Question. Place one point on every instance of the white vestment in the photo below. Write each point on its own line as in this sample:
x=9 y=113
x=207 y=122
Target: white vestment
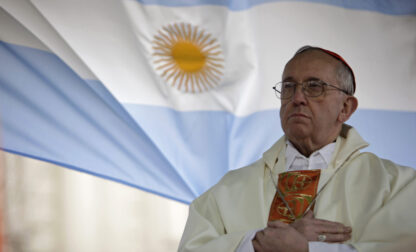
x=372 y=195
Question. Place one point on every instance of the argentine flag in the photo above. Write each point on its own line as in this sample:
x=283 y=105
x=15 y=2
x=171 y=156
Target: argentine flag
x=167 y=96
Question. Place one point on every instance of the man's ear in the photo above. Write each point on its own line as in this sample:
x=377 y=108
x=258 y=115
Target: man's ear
x=349 y=106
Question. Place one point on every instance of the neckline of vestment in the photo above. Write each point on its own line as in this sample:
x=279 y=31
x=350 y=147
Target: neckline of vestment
x=317 y=160
x=347 y=144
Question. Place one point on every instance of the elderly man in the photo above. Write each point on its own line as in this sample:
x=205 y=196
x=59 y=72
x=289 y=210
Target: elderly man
x=312 y=190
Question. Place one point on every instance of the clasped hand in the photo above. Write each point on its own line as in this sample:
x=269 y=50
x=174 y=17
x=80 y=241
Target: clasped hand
x=279 y=236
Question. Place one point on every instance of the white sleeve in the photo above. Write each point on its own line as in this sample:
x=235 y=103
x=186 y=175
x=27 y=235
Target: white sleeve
x=246 y=245
x=330 y=247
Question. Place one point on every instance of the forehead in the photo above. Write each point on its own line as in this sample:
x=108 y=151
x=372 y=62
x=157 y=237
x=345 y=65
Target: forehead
x=311 y=64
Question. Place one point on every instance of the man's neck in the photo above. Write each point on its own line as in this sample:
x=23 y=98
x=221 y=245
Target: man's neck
x=306 y=148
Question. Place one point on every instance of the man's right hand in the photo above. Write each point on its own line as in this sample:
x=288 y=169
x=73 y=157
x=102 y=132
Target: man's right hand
x=279 y=237
x=311 y=228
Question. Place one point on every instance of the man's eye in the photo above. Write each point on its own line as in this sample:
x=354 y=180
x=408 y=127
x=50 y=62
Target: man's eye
x=288 y=85
x=314 y=87
x=314 y=84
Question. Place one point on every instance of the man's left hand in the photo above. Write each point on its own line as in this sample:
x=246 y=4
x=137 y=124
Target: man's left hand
x=311 y=228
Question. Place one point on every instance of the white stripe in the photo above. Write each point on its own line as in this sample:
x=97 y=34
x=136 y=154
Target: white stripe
x=23 y=24
x=256 y=43
x=13 y=32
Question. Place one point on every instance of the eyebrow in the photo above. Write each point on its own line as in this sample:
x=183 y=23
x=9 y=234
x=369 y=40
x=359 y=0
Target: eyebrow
x=291 y=79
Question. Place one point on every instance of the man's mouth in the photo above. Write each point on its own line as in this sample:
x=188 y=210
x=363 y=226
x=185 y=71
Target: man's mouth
x=298 y=115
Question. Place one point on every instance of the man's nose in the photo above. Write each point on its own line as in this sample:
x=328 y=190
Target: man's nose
x=299 y=96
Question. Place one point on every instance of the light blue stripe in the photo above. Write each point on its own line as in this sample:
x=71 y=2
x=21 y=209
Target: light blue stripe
x=391 y=134
x=220 y=139
x=51 y=114
x=391 y=7
x=107 y=97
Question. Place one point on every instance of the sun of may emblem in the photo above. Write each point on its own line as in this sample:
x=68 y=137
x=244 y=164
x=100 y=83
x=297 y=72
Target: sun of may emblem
x=187 y=57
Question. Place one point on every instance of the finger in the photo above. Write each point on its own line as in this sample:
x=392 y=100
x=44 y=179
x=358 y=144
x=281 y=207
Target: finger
x=327 y=222
x=336 y=238
x=337 y=229
x=333 y=229
x=323 y=226
x=277 y=224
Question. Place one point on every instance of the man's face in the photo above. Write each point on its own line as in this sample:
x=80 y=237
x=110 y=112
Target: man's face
x=311 y=119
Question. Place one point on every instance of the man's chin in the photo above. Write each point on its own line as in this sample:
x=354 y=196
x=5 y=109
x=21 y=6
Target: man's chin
x=298 y=132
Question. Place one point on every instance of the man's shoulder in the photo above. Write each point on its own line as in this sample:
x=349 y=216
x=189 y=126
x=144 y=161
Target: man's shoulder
x=243 y=174
x=377 y=165
x=257 y=168
x=373 y=158
x=238 y=179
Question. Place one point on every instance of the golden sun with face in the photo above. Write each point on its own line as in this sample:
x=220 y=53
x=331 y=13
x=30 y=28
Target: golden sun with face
x=187 y=57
